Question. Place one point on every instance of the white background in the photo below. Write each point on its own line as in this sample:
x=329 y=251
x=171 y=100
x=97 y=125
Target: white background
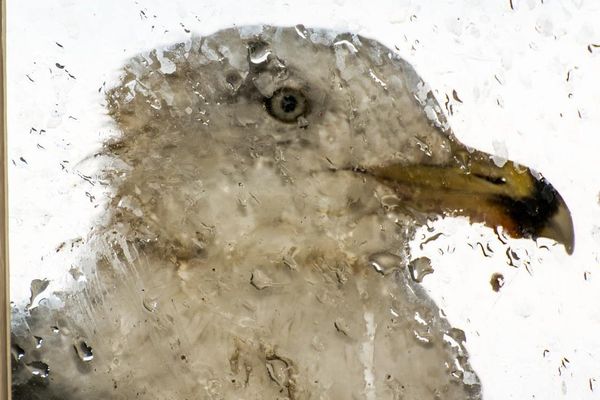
x=509 y=67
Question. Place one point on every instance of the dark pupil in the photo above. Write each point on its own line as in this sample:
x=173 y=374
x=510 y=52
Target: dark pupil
x=288 y=103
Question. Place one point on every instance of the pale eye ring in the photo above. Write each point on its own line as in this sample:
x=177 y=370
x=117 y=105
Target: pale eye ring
x=287 y=104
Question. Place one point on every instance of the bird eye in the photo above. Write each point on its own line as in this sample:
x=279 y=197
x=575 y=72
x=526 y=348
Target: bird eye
x=287 y=104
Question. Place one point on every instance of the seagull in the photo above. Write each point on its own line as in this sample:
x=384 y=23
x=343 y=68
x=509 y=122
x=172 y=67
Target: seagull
x=265 y=185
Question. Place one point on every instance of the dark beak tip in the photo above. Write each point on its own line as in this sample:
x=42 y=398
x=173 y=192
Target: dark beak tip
x=559 y=227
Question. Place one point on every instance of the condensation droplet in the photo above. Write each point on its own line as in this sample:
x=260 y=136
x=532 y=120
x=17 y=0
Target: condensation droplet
x=469 y=378
x=17 y=352
x=150 y=304
x=430 y=239
x=497 y=281
x=341 y=326
x=38 y=341
x=278 y=371
x=39 y=368
x=76 y=273
x=423 y=337
x=458 y=335
x=423 y=147
x=422 y=330
x=390 y=202
x=260 y=280
x=302 y=122
x=419 y=268
x=513 y=257
x=487 y=250
x=385 y=263
x=258 y=52
x=501 y=235
x=37 y=287
x=84 y=351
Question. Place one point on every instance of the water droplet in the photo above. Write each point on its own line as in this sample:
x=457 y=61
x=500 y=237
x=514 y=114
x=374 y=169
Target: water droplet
x=513 y=258
x=131 y=204
x=419 y=268
x=37 y=287
x=486 y=251
x=260 y=280
x=501 y=235
x=423 y=336
x=497 y=281
x=317 y=344
x=301 y=31
x=390 y=202
x=385 y=263
x=302 y=122
x=150 y=304
x=421 y=319
x=75 y=273
x=288 y=259
x=470 y=378
x=17 y=351
x=422 y=331
x=430 y=239
x=155 y=103
x=430 y=224
x=424 y=147
x=456 y=375
x=38 y=341
x=84 y=351
x=259 y=52
x=278 y=371
x=55 y=329
x=39 y=368
x=458 y=335
x=341 y=326
x=500 y=156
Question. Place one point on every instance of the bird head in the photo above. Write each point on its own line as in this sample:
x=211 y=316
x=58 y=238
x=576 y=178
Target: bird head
x=241 y=126
x=284 y=158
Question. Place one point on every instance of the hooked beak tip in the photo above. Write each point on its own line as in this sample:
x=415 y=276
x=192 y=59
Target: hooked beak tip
x=560 y=228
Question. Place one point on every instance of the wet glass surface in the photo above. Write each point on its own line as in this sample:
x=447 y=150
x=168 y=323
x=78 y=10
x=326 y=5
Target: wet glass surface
x=258 y=212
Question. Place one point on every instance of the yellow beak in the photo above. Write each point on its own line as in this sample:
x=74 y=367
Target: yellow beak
x=472 y=185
